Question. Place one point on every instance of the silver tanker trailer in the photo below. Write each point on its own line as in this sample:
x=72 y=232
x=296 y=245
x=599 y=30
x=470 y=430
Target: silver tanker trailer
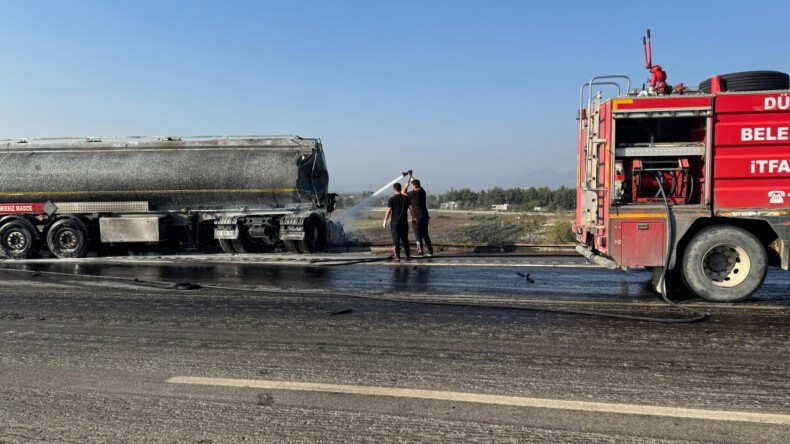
x=251 y=193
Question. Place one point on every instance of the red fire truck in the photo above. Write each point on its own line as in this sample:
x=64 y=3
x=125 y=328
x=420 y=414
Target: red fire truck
x=691 y=184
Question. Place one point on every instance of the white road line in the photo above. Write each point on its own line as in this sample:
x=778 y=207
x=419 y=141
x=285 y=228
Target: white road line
x=473 y=298
x=601 y=407
x=471 y=264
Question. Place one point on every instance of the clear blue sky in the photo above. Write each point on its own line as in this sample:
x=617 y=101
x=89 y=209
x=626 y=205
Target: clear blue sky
x=467 y=93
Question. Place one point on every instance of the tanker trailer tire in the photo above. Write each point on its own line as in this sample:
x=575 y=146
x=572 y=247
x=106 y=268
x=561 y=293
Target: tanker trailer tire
x=246 y=245
x=750 y=81
x=17 y=240
x=724 y=264
x=68 y=238
x=227 y=246
x=293 y=246
x=314 y=235
x=239 y=245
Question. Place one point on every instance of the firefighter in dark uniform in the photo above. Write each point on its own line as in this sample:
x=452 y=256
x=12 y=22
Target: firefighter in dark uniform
x=398 y=207
x=419 y=211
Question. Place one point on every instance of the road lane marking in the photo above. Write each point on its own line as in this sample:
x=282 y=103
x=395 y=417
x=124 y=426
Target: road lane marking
x=477 y=264
x=480 y=298
x=584 y=406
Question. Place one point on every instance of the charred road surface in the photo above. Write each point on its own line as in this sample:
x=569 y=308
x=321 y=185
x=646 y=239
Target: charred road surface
x=339 y=348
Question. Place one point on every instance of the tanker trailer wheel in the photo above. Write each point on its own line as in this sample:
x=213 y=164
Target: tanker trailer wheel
x=246 y=245
x=17 y=240
x=227 y=246
x=724 y=264
x=314 y=235
x=68 y=238
x=292 y=246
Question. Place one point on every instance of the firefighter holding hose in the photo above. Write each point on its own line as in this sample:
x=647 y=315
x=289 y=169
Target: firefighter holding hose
x=398 y=208
x=419 y=211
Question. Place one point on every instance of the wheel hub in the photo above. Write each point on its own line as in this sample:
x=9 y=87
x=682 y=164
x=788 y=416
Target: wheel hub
x=16 y=241
x=726 y=265
x=718 y=262
x=68 y=239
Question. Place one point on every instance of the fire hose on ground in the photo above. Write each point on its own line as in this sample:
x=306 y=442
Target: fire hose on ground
x=189 y=286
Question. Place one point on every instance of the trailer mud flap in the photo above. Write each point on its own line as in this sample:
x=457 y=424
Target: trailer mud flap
x=292 y=226
x=226 y=228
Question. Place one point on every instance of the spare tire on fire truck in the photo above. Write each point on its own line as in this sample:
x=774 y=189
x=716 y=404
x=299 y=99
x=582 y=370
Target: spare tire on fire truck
x=750 y=81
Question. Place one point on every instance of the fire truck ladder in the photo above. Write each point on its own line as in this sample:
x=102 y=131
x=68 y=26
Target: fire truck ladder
x=592 y=185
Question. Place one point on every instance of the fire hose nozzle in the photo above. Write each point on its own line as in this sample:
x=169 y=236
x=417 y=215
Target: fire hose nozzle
x=407 y=173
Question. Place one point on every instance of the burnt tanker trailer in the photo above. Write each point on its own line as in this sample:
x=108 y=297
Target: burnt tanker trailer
x=250 y=193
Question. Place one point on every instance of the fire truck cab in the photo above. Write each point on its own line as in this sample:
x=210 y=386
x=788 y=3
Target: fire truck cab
x=693 y=185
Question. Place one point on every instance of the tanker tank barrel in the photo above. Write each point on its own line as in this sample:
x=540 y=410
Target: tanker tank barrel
x=172 y=174
x=253 y=193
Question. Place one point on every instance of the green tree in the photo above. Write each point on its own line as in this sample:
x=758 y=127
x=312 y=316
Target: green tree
x=560 y=233
x=563 y=198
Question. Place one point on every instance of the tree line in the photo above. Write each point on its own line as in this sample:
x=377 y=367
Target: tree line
x=518 y=199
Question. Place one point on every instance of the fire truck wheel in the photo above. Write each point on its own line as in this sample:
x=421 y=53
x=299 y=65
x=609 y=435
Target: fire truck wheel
x=17 y=240
x=724 y=264
x=750 y=81
x=314 y=235
x=227 y=246
x=68 y=238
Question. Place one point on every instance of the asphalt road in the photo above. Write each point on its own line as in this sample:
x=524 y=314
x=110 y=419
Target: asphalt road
x=337 y=349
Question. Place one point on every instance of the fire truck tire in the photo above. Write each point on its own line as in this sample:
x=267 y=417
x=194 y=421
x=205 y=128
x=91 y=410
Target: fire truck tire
x=68 y=238
x=314 y=235
x=724 y=264
x=17 y=240
x=227 y=246
x=750 y=81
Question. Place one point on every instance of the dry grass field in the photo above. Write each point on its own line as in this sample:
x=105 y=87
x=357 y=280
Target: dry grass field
x=468 y=227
